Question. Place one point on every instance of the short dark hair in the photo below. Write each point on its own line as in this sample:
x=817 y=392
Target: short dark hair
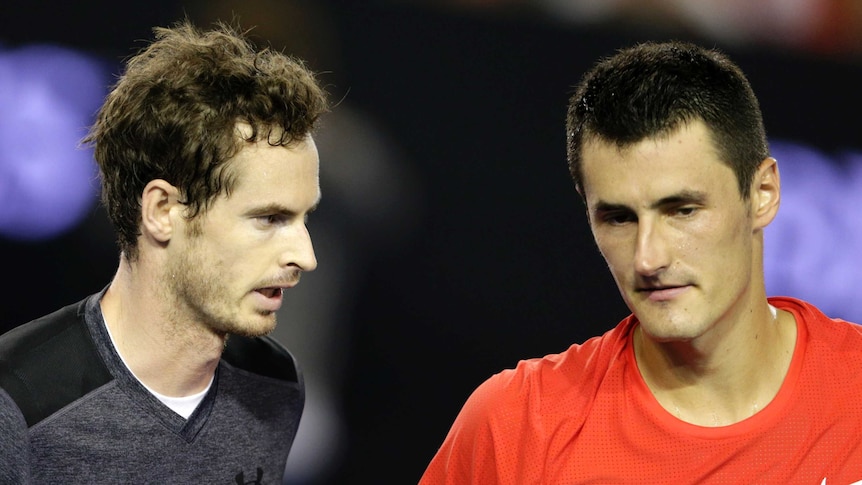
x=652 y=89
x=173 y=115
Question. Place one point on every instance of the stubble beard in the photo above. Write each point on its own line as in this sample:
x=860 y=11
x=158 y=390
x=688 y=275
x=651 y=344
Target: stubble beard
x=200 y=299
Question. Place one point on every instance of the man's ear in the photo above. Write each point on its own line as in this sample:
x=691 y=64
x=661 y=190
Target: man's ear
x=765 y=192
x=158 y=200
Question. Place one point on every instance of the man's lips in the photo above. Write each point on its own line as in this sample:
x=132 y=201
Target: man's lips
x=273 y=292
x=663 y=292
x=275 y=287
x=271 y=297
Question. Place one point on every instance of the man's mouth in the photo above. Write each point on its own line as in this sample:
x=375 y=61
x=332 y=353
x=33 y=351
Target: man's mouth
x=278 y=285
x=648 y=289
x=662 y=293
x=270 y=292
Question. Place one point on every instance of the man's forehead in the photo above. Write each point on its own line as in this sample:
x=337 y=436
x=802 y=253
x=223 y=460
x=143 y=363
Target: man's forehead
x=274 y=133
x=668 y=162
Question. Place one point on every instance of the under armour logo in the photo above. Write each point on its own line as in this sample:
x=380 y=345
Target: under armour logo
x=240 y=479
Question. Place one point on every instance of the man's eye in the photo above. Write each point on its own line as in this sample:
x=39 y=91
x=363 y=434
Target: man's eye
x=685 y=211
x=270 y=219
x=617 y=218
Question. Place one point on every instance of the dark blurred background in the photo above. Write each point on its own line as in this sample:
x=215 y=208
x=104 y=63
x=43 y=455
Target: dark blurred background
x=450 y=239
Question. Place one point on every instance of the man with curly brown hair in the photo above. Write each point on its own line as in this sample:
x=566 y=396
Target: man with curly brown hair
x=209 y=171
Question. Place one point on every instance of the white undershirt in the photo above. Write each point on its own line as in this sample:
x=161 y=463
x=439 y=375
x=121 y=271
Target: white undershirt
x=184 y=406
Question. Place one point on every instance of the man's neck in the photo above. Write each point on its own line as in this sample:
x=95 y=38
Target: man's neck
x=174 y=358
x=724 y=381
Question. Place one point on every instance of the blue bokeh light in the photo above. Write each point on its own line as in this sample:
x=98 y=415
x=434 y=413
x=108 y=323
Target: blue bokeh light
x=48 y=97
x=813 y=249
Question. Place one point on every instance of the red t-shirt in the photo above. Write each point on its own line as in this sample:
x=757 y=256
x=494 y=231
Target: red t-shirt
x=587 y=416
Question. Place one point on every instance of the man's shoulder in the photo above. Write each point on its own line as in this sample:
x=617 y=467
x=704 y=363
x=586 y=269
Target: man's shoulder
x=21 y=340
x=565 y=380
x=519 y=414
x=262 y=356
x=578 y=362
x=49 y=362
x=818 y=324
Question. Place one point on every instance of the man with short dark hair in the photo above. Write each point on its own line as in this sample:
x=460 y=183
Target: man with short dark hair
x=209 y=171
x=708 y=381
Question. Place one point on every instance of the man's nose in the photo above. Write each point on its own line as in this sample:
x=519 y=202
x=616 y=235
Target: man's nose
x=651 y=250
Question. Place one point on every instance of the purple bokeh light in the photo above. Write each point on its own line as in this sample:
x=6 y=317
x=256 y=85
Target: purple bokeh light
x=813 y=249
x=48 y=97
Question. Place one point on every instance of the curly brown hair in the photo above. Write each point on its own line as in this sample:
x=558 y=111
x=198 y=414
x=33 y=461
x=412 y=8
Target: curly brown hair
x=173 y=114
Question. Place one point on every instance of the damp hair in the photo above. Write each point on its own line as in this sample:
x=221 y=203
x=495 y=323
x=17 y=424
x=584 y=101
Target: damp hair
x=173 y=115
x=652 y=89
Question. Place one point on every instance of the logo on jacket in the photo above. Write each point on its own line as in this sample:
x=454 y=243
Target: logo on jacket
x=240 y=479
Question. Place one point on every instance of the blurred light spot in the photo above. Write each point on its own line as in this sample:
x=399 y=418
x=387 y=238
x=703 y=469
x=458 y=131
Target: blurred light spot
x=813 y=249
x=48 y=97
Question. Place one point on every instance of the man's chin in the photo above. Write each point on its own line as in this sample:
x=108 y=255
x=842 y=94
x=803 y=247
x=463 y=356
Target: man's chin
x=253 y=332
x=260 y=326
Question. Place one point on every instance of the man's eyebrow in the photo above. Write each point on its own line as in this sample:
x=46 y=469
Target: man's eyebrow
x=602 y=206
x=270 y=209
x=682 y=197
x=279 y=209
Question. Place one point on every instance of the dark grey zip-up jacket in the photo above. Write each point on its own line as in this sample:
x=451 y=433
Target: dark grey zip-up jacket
x=71 y=412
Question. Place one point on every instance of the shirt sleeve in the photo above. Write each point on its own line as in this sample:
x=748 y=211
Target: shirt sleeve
x=15 y=443
x=483 y=446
